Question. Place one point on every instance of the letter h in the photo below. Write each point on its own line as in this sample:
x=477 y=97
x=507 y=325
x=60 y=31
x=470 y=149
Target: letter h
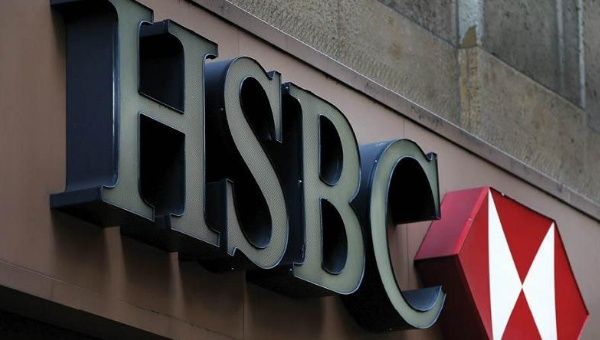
x=135 y=124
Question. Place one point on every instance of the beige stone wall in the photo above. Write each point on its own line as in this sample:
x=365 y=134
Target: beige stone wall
x=521 y=75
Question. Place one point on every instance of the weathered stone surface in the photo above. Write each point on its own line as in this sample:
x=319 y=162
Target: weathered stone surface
x=438 y=16
x=313 y=22
x=387 y=47
x=592 y=63
x=538 y=38
x=572 y=79
x=524 y=35
x=374 y=40
x=591 y=172
x=523 y=118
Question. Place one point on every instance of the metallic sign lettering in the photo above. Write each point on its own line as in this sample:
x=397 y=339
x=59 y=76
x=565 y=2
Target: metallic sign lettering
x=245 y=109
x=219 y=161
x=399 y=185
x=333 y=246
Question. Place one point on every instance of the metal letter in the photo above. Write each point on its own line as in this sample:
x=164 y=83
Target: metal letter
x=135 y=157
x=399 y=185
x=248 y=204
x=334 y=258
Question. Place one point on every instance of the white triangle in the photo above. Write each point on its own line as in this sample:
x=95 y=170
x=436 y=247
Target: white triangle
x=539 y=288
x=505 y=283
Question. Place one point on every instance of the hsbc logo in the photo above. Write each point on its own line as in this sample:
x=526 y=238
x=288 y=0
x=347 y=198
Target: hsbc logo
x=511 y=296
x=506 y=268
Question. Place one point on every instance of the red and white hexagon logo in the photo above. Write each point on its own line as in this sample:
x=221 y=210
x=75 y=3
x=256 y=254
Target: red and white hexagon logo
x=504 y=268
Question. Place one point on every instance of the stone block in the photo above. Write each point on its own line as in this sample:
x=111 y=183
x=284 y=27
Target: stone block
x=437 y=16
x=592 y=62
x=541 y=39
x=374 y=40
x=524 y=35
x=591 y=167
x=572 y=77
x=400 y=55
x=523 y=118
x=311 y=21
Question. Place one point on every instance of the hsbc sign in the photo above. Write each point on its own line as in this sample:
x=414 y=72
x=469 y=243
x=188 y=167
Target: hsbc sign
x=506 y=268
x=220 y=161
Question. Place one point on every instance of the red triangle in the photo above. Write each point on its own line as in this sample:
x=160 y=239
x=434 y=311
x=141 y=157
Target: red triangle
x=524 y=229
x=474 y=261
x=571 y=312
x=521 y=324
